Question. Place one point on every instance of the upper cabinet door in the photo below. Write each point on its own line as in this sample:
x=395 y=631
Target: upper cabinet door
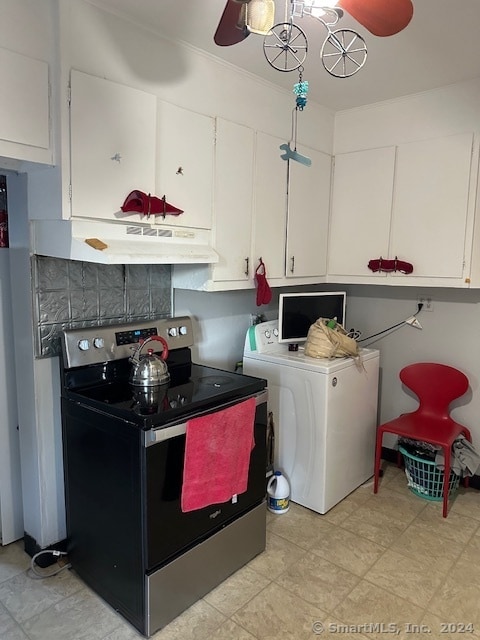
x=24 y=108
x=185 y=157
x=270 y=193
x=361 y=211
x=233 y=201
x=112 y=130
x=308 y=210
x=430 y=205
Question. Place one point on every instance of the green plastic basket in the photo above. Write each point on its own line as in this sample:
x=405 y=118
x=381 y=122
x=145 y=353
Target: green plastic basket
x=425 y=479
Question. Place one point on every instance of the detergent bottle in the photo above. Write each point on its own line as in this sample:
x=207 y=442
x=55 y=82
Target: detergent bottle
x=278 y=493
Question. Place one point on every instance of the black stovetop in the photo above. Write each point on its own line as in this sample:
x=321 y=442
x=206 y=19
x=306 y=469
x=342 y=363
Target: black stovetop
x=192 y=389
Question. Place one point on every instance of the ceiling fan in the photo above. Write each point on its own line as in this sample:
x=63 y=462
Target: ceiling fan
x=242 y=17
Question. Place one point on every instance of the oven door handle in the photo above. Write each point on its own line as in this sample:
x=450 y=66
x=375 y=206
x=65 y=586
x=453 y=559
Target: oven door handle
x=154 y=436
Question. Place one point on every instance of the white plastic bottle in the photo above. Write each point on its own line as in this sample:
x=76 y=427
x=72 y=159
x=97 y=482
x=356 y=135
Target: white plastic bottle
x=278 y=493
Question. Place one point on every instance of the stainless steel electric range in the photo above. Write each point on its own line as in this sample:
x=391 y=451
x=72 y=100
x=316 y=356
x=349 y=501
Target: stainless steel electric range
x=128 y=538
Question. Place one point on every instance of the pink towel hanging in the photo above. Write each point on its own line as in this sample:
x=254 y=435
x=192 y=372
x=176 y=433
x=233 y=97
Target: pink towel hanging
x=217 y=456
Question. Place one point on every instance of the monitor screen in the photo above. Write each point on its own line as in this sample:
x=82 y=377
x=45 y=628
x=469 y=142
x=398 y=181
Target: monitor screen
x=298 y=311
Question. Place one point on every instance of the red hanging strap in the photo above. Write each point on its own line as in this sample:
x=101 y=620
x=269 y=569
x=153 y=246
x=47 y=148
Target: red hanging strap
x=390 y=266
x=264 y=293
x=149 y=205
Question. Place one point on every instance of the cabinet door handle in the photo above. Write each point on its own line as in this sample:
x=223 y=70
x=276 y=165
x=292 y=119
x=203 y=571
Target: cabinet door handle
x=247 y=266
x=292 y=264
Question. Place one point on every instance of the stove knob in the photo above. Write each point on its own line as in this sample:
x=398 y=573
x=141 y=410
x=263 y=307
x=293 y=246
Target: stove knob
x=172 y=332
x=98 y=343
x=84 y=344
x=275 y=333
x=268 y=334
x=183 y=330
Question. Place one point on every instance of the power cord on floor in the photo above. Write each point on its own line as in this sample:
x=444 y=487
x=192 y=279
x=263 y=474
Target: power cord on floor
x=53 y=552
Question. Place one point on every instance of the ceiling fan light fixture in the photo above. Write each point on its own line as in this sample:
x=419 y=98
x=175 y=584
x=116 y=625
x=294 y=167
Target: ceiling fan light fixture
x=317 y=8
x=260 y=16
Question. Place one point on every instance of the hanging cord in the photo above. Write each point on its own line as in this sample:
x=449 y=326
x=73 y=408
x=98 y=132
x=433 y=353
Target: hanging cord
x=393 y=327
x=39 y=574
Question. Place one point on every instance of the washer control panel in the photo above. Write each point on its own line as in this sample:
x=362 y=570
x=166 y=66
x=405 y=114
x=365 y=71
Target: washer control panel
x=93 y=345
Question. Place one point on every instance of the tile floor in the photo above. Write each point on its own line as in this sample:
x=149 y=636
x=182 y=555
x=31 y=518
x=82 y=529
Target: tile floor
x=389 y=559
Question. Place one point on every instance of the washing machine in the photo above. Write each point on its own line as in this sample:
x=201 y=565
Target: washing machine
x=324 y=415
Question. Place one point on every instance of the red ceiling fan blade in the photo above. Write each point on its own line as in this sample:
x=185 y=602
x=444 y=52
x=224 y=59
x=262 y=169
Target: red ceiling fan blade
x=228 y=32
x=380 y=17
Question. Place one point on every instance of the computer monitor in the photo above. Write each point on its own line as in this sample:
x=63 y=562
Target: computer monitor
x=298 y=311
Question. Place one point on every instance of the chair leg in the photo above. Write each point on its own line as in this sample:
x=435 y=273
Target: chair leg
x=446 y=480
x=378 y=457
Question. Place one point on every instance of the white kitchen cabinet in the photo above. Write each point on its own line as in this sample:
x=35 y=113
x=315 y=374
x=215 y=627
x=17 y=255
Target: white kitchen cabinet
x=413 y=202
x=233 y=202
x=307 y=218
x=24 y=108
x=270 y=220
x=361 y=211
x=430 y=205
x=112 y=131
x=184 y=166
x=259 y=214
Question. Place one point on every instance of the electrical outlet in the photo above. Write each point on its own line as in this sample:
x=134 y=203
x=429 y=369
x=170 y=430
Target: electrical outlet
x=426 y=301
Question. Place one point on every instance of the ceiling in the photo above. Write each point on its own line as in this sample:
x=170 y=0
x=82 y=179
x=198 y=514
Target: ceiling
x=440 y=46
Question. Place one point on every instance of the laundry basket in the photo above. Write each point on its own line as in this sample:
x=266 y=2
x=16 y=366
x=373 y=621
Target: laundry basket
x=425 y=479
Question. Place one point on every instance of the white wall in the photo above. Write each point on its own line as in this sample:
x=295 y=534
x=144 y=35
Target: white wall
x=450 y=332
x=450 y=335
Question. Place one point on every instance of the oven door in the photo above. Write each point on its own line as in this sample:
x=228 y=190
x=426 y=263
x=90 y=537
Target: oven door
x=169 y=531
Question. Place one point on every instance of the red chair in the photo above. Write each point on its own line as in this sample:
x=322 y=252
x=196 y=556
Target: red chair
x=436 y=386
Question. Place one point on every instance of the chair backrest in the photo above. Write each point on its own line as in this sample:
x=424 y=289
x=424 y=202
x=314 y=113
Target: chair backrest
x=436 y=386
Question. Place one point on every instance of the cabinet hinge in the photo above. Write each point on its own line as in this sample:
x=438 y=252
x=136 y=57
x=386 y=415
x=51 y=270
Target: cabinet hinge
x=69 y=96
x=70 y=192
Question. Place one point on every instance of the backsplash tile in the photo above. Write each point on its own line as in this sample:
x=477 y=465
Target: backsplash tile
x=70 y=294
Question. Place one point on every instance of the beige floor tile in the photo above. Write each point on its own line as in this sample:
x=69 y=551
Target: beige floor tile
x=278 y=556
x=420 y=542
x=301 y=526
x=466 y=570
x=198 y=622
x=404 y=506
x=467 y=503
x=123 y=632
x=372 y=524
x=236 y=591
x=82 y=616
x=348 y=550
x=449 y=630
x=318 y=581
x=277 y=614
x=13 y=560
x=340 y=512
x=455 y=527
x=229 y=630
x=457 y=601
x=26 y=595
x=390 y=473
x=334 y=628
x=15 y=633
x=412 y=579
x=368 y=604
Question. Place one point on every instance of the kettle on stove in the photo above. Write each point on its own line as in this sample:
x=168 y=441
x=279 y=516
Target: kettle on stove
x=150 y=369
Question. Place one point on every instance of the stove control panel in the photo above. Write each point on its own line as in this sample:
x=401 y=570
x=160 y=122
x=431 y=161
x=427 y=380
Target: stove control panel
x=93 y=345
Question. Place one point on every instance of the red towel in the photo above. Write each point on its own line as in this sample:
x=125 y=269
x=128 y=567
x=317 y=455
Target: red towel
x=217 y=455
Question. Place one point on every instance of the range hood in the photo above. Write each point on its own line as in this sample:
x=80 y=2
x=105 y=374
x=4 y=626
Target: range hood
x=120 y=243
